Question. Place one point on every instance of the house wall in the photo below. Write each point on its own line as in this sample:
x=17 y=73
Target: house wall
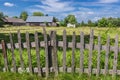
x=40 y=24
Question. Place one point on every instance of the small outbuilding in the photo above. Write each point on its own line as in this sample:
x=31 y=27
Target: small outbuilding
x=14 y=21
x=71 y=25
x=40 y=21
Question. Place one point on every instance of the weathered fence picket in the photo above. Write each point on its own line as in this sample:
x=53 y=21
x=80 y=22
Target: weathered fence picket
x=46 y=52
x=81 y=53
x=90 y=52
x=73 y=52
x=51 y=45
x=98 y=56
x=4 y=55
x=38 y=53
x=64 y=51
x=107 y=55
x=29 y=52
x=116 y=49
x=20 y=50
x=13 y=54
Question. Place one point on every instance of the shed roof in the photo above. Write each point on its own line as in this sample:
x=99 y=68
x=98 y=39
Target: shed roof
x=39 y=19
x=7 y=19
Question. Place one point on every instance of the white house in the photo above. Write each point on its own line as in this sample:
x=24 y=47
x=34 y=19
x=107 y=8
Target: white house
x=71 y=25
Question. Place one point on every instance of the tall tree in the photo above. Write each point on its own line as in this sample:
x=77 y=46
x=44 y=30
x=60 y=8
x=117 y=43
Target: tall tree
x=23 y=15
x=55 y=19
x=15 y=17
x=1 y=18
x=38 y=14
x=70 y=19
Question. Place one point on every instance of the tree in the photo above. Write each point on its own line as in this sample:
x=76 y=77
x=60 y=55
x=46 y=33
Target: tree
x=23 y=15
x=70 y=19
x=15 y=17
x=82 y=23
x=1 y=18
x=55 y=19
x=38 y=14
x=102 y=22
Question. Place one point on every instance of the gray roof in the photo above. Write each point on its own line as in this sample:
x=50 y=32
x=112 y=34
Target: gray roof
x=39 y=19
x=11 y=20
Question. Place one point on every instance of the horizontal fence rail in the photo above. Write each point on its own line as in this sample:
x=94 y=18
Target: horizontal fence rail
x=51 y=45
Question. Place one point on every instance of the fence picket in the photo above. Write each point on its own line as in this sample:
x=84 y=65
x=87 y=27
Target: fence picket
x=64 y=51
x=98 y=56
x=115 y=56
x=46 y=52
x=13 y=54
x=90 y=52
x=37 y=53
x=73 y=52
x=29 y=52
x=107 y=55
x=20 y=50
x=81 y=52
x=5 y=55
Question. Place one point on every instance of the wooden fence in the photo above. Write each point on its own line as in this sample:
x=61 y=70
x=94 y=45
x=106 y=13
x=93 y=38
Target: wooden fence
x=51 y=45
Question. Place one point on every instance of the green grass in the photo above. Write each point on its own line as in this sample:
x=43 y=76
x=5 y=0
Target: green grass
x=61 y=76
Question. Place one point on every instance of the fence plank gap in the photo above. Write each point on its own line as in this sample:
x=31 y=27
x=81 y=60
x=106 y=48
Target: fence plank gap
x=38 y=53
x=73 y=52
x=29 y=52
x=46 y=52
x=81 y=52
x=64 y=51
x=20 y=50
x=98 y=56
x=107 y=55
x=115 y=56
x=13 y=54
x=90 y=52
x=5 y=55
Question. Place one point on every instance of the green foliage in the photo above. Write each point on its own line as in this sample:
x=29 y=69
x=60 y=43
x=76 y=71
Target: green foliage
x=1 y=19
x=15 y=16
x=23 y=15
x=38 y=14
x=70 y=19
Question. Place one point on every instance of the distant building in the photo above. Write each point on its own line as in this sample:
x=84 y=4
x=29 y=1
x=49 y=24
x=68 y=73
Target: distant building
x=71 y=25
x=14 y=21
x=40 y=21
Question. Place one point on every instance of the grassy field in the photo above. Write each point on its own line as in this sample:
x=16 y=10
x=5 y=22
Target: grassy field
x=61 y=76
x=104 y=32
x=109 y=31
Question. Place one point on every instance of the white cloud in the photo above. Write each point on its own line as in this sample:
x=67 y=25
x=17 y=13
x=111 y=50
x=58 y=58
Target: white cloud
x=55 y=6
x=108 y=1
x=8 y=4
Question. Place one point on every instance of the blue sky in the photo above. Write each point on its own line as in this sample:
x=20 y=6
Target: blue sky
x=82 y=9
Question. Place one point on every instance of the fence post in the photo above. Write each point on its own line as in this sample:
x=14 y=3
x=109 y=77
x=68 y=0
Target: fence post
x=29 y=52
x=90 y=52
x=116 y=50
x=4 y=55
x=55 y=61
x=81 y=52
x=20 y=50
x=73 y=52
x=13 y=55
x=37 y=53
x=64 y=51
